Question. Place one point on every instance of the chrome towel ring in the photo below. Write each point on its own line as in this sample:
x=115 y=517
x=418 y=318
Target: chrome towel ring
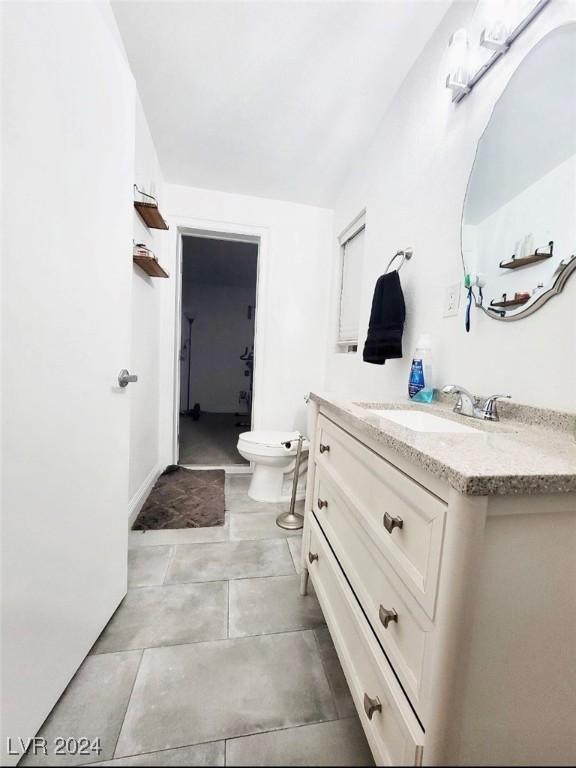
x=405 y=255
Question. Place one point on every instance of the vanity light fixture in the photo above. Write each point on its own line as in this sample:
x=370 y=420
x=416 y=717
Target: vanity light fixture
x=458 y=76
x=501 y=20
x=497 y=37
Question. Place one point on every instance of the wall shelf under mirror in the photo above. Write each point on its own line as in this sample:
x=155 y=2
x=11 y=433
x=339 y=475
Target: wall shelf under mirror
x=525 y=261
x=503 y=303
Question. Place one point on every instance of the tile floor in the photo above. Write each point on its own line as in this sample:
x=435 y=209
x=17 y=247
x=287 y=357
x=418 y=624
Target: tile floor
x=211 y=440
x=213 y=658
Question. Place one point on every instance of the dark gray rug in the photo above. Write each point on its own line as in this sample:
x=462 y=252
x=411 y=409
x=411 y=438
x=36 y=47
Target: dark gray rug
x=184 y=498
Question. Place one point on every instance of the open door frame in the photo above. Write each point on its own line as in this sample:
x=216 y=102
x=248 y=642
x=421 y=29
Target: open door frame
x=235 y=233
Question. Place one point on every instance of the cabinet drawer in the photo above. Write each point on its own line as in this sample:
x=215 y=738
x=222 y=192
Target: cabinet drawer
x=405 y=631
x=403 y=519
x=393 y=732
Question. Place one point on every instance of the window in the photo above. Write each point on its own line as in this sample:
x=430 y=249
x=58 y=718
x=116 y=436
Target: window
x=351 y=262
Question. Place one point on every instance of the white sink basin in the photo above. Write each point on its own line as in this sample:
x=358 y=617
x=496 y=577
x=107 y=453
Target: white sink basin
x=419 y=421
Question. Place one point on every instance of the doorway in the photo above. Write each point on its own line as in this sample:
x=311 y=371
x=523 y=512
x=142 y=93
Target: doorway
x=216 y=353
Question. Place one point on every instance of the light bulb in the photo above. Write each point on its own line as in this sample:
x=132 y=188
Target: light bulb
x=458 y=74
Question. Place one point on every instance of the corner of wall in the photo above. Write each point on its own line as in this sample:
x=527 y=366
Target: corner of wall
x=146 y=304
x=136 y=503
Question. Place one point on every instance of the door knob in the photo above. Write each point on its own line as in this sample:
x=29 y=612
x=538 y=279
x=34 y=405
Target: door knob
x=392 y=522
x=322 y=503
x=387 y=615
x=371 y=705
x=324 y=448
x=312 y=556
x=125 y=377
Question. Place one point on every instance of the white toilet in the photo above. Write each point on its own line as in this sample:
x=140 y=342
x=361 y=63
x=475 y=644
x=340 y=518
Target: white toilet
x=272 y=456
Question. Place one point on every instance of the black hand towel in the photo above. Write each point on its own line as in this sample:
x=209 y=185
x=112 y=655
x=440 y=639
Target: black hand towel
x=384 y=340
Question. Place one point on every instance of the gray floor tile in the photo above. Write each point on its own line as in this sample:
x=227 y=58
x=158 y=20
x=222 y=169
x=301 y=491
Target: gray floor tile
x=169 y=615
x=336 y=678
x=262 y=606
x=230 y=560
x=208 y=691
x=237 y=484
x=243 y=503
x=92 y=706
x=199 y=755
x=298 y=506
x=341 y=742
x=257 y=525
x=139 y=539
x=295 y=546
x=146 y=569
x=211 y=440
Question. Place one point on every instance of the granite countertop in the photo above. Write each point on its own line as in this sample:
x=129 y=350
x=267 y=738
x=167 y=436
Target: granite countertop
x=529 y=451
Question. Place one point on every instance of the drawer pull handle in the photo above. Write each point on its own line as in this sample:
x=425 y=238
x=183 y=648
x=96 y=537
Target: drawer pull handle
x=392 y=522
x=311 y=557
x=387 y=615
x=324 y=448
x=371 y=705
x=322 y=503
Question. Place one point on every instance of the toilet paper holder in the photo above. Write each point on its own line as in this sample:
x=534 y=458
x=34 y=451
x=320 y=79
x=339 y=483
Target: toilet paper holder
x=291 y=520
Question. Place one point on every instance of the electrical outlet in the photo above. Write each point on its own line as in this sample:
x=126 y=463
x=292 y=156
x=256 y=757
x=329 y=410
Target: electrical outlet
x=451 y=300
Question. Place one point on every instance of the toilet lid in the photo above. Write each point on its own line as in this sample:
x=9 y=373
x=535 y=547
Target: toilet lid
x=270 y=438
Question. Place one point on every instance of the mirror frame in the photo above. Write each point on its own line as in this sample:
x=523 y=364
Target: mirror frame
x=566 y=266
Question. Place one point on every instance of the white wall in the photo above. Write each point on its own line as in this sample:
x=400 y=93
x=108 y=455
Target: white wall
x=412 y=181
x=292 y=298
x=145 y=336
x=220 y=332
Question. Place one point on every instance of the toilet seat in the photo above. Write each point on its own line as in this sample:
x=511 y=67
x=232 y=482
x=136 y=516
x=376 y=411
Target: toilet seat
x=270 y=443
x=269 y=438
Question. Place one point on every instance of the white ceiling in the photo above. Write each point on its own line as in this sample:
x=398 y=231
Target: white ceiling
x=273 y=99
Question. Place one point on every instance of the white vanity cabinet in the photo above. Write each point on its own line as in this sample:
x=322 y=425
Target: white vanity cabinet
x=454 y=616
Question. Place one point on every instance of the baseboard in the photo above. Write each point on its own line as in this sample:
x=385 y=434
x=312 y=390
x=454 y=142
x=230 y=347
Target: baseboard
x=229 y=469
x=137 y=501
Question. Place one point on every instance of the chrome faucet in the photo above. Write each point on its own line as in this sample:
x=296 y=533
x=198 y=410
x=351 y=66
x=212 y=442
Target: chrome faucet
x=489 y=408
x=470 y=405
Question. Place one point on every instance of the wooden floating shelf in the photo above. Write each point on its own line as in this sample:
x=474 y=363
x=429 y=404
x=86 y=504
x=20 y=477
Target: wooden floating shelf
x=150 y=215
x=510 y=302
x=150 y=266
x=525 y=261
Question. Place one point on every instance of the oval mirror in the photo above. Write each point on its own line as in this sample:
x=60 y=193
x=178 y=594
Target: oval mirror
x=519 y=218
